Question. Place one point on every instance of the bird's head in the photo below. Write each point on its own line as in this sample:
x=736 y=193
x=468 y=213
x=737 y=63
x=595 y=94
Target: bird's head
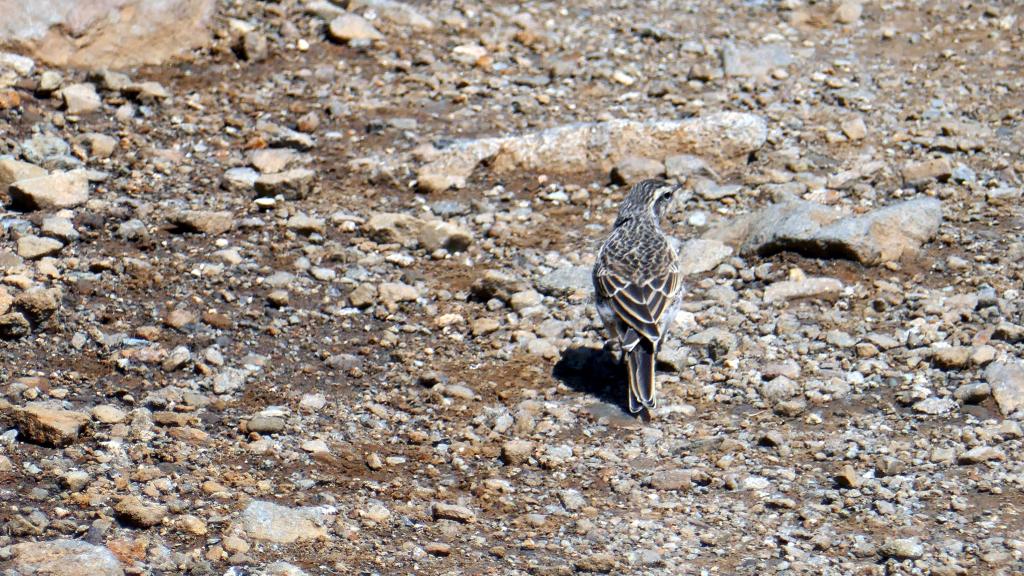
x=647 y=198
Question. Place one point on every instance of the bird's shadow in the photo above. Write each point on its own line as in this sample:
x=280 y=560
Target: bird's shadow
x=594 y=371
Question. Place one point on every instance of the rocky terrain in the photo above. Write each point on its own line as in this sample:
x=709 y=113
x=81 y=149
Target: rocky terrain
x=312 y=295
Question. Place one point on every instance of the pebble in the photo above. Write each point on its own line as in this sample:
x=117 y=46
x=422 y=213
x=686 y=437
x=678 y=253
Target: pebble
x=349 y=27
x=133 y=511
x=81 y=98
x=443 y=511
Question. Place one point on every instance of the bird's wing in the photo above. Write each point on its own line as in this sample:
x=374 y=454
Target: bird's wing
x=642 y=306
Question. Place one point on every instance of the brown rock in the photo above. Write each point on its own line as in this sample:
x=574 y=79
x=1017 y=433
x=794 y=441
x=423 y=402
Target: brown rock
x=203 y=221
x=106 y=33
x=49 y=426
x=51 y=192
x=131 y=509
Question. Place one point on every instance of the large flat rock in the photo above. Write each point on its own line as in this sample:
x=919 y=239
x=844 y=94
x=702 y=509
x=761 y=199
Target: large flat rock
x=582 y=147
x=97 y=34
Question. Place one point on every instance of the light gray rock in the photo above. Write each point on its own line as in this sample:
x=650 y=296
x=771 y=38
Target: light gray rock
x=290 y=184
x=399 y=13
x=435 y=234
x=269 y=522
x=239 y=179
x=106 y=33
x=35 y=247
x=43 y=147
x=759 y=61
x=203 y=221
x=883 y=235
x=699 y=255
x=566 y=280
x=81 y=98
x=633 y=169
x=815 y=287
x=574 y=148
x=12 y=170
x=64 y=558
x=1006 y=380
x=53 y=191
x=281 y=568
x=902 y=548
x=349 y=27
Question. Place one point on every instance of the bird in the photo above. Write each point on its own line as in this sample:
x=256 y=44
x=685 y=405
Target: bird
x=638 y=285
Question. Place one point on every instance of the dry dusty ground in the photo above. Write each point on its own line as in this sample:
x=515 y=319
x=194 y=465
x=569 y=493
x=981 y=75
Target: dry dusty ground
x=417 y=412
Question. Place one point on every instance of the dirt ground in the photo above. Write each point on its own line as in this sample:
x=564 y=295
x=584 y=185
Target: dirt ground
x=303 y=357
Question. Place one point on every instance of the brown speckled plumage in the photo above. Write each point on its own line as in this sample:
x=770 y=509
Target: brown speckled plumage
x=637 y=285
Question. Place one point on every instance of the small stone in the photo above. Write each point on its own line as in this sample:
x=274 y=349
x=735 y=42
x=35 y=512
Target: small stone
x=849 y=12
x=934 y=405
x=132 y=510
x=234 y=544
x=515 y=452
x=901 y=549
x=438 y=549
x=203 y=221
x=147 y=92
x=265 y=424
x=100 y=146
x=681 y=166
x=81 y=99
x=697 y=255
x=312 y=402
x=291 y=184
x=239 y=179
x=253 y=47
x=14 y=325
x=38 y=304
x=525 y=299
x=435 y=235
x=848 y=477
x=272 y=160
x=633 y=169
x=392 y=293
x=49 y=426
x=179 y=318
x=192 y=525
x=572 y=500
x=854 y=128
x=813 y=287
x=983 y=355
x=754 y=61
x=107 y=414
x=484 y=326
x=349 y=27
x=672 y=480
x=60 y=228
x=952 y=357
x=51 y=192
x=980 y=454
x=922 y=172
x=76 y=480
x=49 y=81
x=442 y=511
x=35 y=247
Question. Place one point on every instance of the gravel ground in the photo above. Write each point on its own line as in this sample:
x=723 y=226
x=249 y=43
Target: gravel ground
x=317 y=300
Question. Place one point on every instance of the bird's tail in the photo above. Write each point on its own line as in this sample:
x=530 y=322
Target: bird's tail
x=640 y=364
